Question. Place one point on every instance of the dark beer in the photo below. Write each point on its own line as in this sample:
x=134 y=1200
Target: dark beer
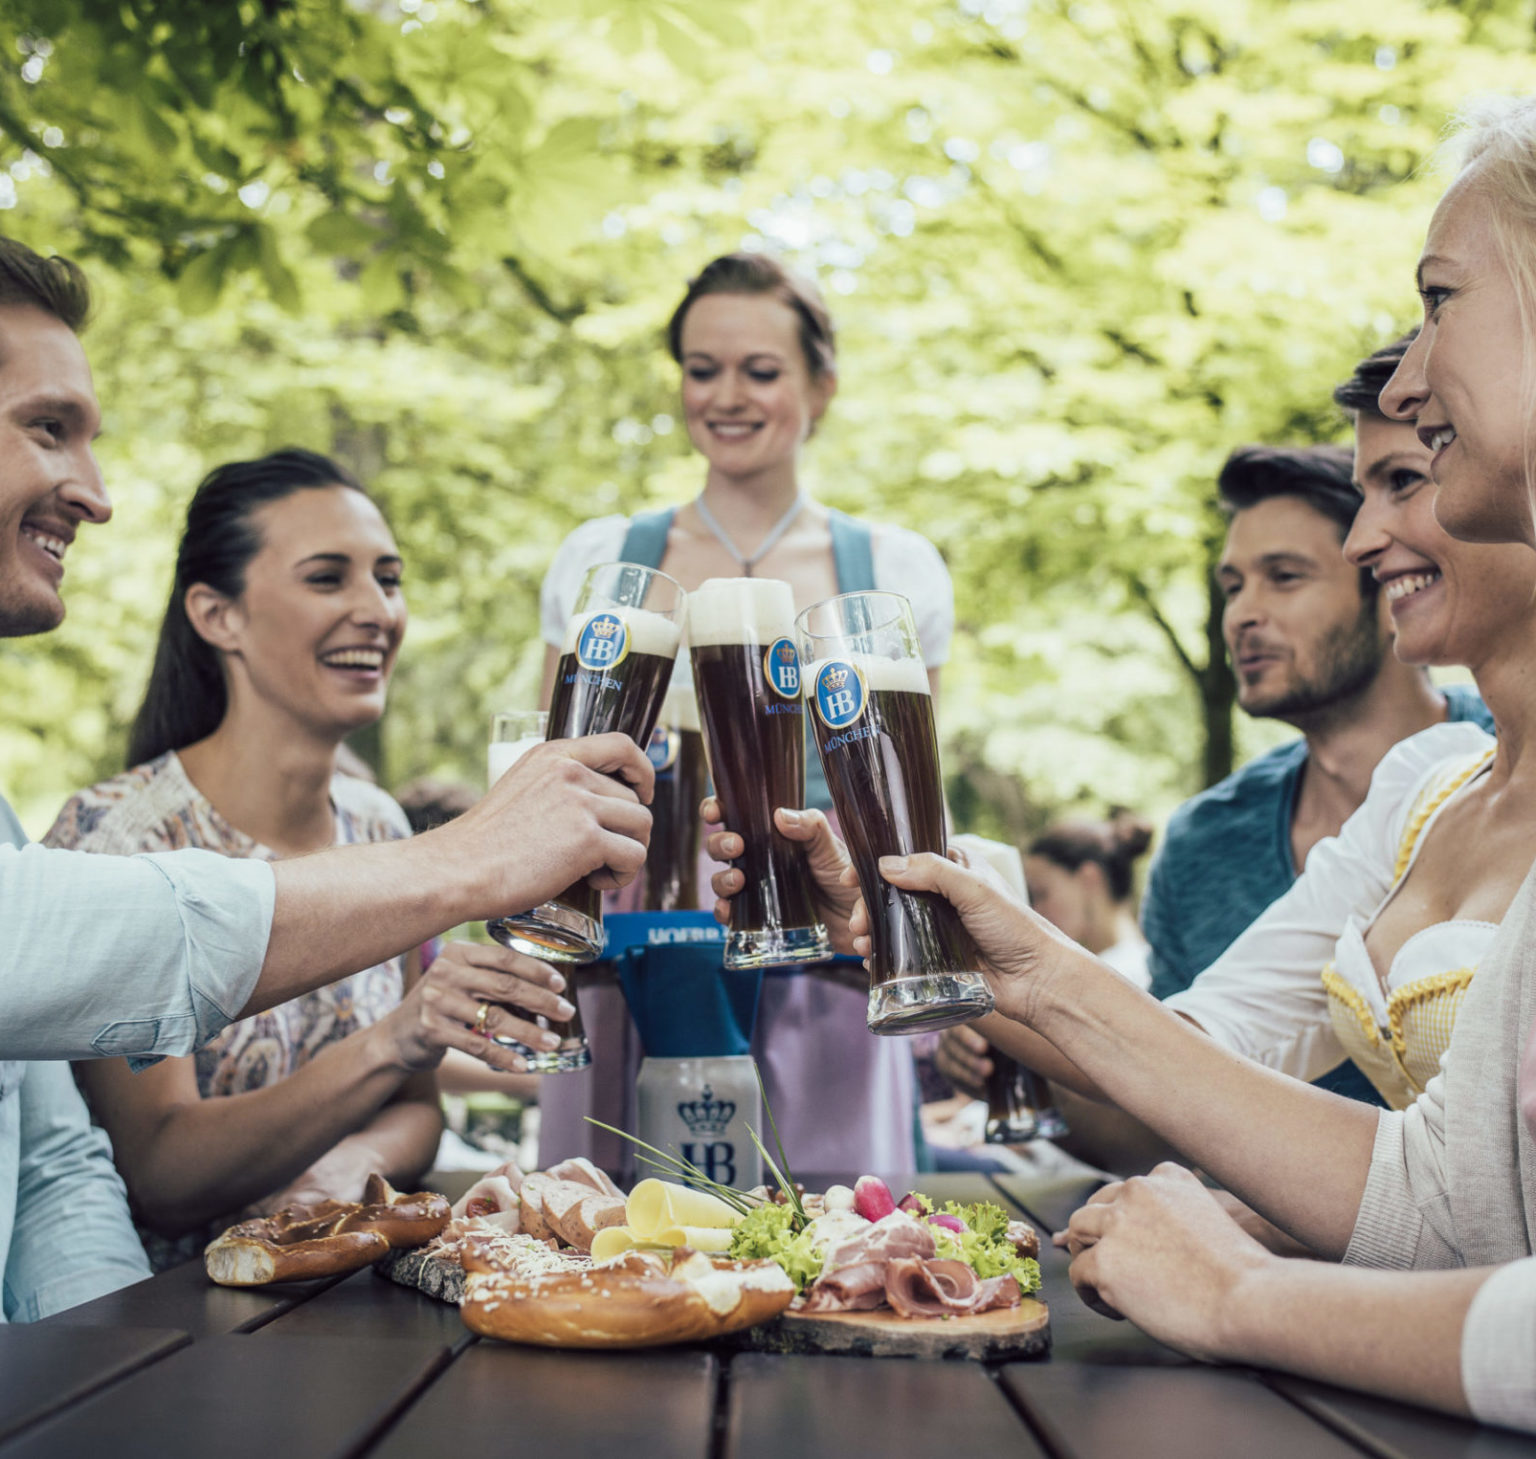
x=572 y=1052
x=747 y=674
x=874 y=729
x=676 y=754
x=1019 y=1104
x=612 y=675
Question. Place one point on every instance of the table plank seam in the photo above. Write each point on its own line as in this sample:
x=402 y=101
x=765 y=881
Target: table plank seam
x=1323 y=1413
x=720 y=1409
x=1036 y=1428
x=396 y=1411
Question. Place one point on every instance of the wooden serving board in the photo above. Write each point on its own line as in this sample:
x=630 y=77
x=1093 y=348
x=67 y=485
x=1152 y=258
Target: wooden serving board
x=1009 y=1332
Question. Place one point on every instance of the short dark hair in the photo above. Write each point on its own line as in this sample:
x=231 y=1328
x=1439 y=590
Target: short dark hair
x=758 y=273
x=186 y=698
x=1114 y=846
x=1361 y=393
x=55 y=284
x=1321 y=476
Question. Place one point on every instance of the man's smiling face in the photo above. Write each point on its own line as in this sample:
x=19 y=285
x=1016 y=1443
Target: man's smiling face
x=49 y=480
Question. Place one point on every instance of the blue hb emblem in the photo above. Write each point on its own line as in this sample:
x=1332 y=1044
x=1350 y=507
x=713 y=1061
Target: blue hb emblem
x=839 y=694
x=603 y=642
x=662 y=750
x=781 y=668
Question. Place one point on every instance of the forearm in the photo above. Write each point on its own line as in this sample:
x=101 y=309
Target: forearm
x=1107 y=1137
x=1298 y=1155
x=1396 y=1334
x=462 y=1073
x=356 y=906
x=207 y=1157
x=404 y=1135
x=1023 y=1043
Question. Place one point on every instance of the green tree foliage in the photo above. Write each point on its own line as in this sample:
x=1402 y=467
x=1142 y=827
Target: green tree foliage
x=1076 y=253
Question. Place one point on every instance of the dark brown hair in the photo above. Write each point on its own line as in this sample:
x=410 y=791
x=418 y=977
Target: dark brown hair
x=1113 y=846
x=1321 y=476
x=1361 y=393
x=757 y=273
x=56 y=285
x=186 y=698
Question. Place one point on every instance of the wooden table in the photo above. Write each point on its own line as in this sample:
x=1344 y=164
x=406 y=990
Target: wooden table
x=174 y=1367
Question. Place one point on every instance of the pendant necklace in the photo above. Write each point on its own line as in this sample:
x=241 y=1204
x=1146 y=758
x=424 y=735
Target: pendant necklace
x=776 y=531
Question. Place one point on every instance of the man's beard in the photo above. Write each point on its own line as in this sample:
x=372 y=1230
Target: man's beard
x=1348 y=660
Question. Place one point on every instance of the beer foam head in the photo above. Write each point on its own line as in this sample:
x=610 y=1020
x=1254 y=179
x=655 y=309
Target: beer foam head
x=880 y=674
x=649 y=633
x=740 y=610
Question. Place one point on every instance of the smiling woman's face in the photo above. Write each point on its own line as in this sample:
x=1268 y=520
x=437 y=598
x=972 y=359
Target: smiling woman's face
x=1460 y=382
x=1452 y=602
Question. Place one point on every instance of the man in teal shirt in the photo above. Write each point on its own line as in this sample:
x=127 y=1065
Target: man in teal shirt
x=147 y=956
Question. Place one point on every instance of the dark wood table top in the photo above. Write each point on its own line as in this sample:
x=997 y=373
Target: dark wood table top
x=176 y=1367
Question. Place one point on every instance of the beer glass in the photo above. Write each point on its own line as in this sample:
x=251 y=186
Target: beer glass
x=747 y=670
x=513 y=733
x=1019 y=1104
x=869 y=708
x=614 y=668
x=676 y=753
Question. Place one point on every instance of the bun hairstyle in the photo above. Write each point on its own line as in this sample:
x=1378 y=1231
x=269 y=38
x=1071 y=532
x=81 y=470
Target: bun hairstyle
x=186 y=698
x=1113 y=845
x=1361 y=393
x=757 y=273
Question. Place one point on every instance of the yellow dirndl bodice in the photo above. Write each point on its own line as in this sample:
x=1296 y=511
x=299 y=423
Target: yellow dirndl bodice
x=1402 y=1057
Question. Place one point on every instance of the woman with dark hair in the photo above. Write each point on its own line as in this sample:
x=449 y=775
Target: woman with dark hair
x=284 y=622
x=758 y=355
x=1080 y=875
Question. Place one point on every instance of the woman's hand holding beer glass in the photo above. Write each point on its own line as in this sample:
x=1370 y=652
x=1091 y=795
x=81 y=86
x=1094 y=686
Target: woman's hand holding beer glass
x=834 y=884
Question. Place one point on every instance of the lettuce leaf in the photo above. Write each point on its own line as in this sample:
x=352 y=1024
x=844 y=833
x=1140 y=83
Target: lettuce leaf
x=769 y=1231
x=984 y=1246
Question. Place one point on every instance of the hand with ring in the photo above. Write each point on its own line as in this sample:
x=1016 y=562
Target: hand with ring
x=472 y=995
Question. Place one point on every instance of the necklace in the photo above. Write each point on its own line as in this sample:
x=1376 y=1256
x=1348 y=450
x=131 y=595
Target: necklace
x=776 y=531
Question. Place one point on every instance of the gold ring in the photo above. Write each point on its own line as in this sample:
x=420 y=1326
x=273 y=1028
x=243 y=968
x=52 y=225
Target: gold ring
x=481 y=1014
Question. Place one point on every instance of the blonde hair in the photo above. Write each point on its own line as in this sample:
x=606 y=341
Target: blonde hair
x=1496 y=137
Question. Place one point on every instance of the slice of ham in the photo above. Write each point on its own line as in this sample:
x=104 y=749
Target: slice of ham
x=581 y=1170
x=486 y=1197
x=858 y=1287
x=853 y=1277
x=944 y=1287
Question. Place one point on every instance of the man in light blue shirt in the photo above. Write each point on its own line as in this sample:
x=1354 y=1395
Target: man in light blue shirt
x=147 y=956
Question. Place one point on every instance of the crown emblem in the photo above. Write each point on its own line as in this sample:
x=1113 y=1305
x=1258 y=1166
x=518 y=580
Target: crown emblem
x=786 y=653
x=707 y=1115
x=834 y=678
x=606 y=627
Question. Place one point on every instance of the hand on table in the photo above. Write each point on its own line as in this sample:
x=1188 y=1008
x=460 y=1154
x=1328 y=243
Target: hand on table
x=836 y=886
x=338 y=1175
x=961 y=1057
x=441 y=1011
x=1161 y=1250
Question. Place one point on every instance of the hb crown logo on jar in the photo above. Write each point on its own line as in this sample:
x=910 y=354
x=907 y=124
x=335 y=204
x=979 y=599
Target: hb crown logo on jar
x=840 y=694
x=662 y=749
x=603 y=642
x=781 y=668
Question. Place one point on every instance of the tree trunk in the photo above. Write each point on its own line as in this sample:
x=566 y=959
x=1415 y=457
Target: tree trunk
x=1218 y=690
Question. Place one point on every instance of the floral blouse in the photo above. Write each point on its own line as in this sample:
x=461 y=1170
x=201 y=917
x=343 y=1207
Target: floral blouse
x=155 y=807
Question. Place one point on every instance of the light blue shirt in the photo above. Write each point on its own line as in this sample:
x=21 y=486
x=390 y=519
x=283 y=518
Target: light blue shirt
x=144 y=956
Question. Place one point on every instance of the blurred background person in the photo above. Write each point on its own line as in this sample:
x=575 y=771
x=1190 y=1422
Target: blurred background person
x=1081 y=876
x=758 y=353
x=285 y=620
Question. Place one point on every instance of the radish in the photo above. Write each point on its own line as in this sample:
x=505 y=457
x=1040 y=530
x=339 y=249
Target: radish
x=948 y=1222
x=872 y=1198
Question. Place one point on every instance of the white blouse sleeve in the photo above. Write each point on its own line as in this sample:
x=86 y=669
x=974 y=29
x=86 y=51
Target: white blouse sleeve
x=907 y=562
x=1263 y=998
x=599 y=540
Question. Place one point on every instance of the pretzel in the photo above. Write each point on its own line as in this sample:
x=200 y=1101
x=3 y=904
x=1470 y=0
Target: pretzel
x=324 y=1240
x=637 y=1300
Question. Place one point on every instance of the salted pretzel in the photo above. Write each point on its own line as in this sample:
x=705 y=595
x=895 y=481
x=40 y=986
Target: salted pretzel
x=326 y=1239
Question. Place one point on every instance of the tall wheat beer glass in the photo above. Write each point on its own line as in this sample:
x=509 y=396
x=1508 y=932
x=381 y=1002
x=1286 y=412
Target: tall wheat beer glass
x=869 y=708
x=747 y=672
x=613 y=673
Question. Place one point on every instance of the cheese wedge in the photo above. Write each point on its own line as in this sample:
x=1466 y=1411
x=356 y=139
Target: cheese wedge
x=612 y=1241
x=700 y=1238
x=658 y=1205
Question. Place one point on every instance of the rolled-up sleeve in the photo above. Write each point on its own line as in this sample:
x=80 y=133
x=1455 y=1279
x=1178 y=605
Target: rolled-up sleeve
x=141 y=956
x=1498 y=1348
